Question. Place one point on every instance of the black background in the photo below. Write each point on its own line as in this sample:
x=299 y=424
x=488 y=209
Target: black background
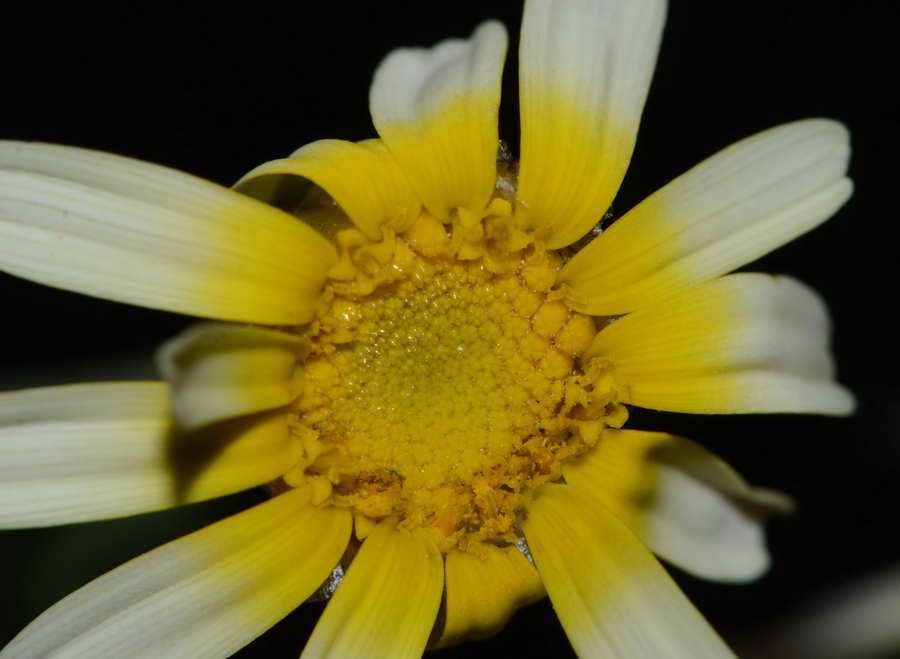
x=215 y=93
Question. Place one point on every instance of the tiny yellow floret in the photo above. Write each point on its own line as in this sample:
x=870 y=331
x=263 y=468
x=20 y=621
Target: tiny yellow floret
x=550 y=318
x=577 y=334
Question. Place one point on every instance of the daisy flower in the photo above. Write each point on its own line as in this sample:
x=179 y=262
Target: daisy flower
x=426 y=351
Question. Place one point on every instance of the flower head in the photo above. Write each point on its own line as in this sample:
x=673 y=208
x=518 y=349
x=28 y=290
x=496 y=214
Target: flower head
x=426 y=351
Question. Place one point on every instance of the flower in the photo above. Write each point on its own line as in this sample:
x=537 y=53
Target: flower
x=427 y=376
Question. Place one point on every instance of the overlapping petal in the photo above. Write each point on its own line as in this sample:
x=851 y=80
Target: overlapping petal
x=94 y=451
x=684 y=503
x=221 y=371
x=743 y=343
x=730 y=209
x=388 y=601
x=130 y=231
x=204 y=595
x=612 y=597
x=483 y=591
x=436 y=110
x=363 y=178
x=585 y=68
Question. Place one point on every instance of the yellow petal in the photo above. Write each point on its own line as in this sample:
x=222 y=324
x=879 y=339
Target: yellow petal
x=364 y=179
x=611 y=596
x=121 y=229
x=484 y=591
x=683 y=502
x=94 y=451
x=388 y=601
x=436 y=110
x=730 y=209
x=220 y=371
x=744 y=343
x=585 y=68
x=204 y=595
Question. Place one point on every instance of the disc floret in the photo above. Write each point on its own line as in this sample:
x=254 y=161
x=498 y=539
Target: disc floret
x=444 y=379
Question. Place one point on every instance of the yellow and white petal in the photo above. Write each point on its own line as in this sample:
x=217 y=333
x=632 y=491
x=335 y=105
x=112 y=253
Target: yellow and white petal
x=744 y=343
x=388 y=601
x=612 y=597
x=221 y=371
x=436 y=110
x=363 y=178
x=84 y=452
x=730 y=209
x=130 y=231
x=683 y=502
x=204 y=595
x=584 y=71
x=483 y=591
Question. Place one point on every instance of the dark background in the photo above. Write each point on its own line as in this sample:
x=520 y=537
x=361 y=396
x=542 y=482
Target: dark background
x=216 y=93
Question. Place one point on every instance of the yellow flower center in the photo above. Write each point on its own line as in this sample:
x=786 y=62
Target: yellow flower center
x=443 y=380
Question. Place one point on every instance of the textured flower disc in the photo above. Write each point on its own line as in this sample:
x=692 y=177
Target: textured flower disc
x=443 y=380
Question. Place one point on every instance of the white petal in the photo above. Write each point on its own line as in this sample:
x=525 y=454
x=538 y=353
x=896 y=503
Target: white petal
x=129 y=231
x=585 y=68
x=730 y=209
x=436 y=110
x=94 y=451
x=856 y=619
x=204 y=595
x=221 y=371
x=687 y=505
x=743 y=343
x=612 y=597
